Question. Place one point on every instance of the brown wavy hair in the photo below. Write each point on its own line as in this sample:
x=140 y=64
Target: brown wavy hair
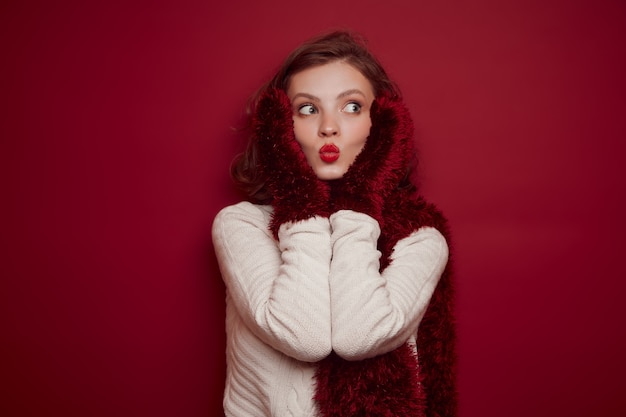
x=334 y=46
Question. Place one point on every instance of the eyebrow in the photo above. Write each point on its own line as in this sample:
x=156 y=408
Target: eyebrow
x=341 y=95
x=351 y=92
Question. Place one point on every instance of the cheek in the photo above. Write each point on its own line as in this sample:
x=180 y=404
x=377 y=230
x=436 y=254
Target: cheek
x=360 y=134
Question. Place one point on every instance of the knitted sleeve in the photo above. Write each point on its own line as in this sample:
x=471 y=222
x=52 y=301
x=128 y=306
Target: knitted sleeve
x=374 y=313
x=280 y=288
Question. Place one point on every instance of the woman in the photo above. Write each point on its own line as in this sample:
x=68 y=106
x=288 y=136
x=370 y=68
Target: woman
x=336 y=261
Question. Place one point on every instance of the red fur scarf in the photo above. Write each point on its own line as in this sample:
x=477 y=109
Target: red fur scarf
x=393 y=385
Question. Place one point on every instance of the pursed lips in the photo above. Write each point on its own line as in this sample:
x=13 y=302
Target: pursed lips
x=329 y=153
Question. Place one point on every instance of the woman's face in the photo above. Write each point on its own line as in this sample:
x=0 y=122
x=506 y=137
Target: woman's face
x=331 y=113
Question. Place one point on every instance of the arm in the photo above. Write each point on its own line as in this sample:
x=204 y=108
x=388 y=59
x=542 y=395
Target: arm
x=280 y=289
x=374 y=313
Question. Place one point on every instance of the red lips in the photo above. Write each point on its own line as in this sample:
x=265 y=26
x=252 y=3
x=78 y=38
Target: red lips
x=329 y=153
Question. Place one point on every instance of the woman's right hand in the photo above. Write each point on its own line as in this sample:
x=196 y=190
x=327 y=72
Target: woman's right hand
x=297 y=192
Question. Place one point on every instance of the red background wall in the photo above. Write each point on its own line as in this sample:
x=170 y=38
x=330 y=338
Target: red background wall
x=116 y=134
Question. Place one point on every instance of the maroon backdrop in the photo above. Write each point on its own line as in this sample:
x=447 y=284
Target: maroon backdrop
x=116 y=133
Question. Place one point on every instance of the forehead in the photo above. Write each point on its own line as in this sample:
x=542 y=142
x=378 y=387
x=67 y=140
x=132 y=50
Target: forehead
x=334 y=77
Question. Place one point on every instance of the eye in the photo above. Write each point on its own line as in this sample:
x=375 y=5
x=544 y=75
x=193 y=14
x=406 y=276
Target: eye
x=352 y=107
x=307 y=109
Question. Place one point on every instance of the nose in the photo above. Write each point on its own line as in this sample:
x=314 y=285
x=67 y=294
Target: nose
x=328 y=126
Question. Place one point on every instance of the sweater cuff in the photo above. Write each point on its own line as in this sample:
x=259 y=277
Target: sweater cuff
x=343 y=222
x=317 y=225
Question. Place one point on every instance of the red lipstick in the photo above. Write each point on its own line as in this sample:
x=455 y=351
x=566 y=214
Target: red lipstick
x=329 y=153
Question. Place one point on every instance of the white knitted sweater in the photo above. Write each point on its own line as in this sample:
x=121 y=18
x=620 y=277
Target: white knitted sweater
x=289 y=303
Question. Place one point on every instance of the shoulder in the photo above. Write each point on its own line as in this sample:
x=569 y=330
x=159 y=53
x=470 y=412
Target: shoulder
x=245 y=208
x=242 y=213
x=426 y=238
x=429 y=233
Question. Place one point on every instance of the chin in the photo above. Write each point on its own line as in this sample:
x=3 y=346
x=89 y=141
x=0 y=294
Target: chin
x=329 y=174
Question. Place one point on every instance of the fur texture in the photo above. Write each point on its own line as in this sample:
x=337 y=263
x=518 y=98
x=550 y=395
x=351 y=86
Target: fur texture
x=386 y=386
x=436 y=339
